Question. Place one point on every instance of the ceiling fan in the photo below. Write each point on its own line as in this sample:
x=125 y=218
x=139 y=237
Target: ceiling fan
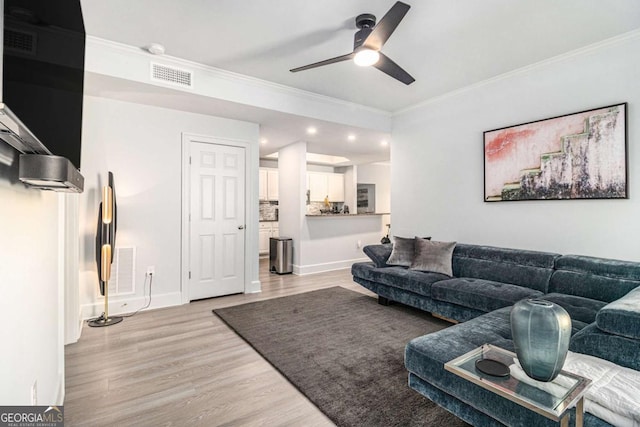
x=368 y=41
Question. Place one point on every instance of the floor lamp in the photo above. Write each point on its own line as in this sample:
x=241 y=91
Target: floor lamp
x=105 y=245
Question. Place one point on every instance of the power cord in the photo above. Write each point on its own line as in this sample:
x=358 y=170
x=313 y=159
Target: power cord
x=150 y=275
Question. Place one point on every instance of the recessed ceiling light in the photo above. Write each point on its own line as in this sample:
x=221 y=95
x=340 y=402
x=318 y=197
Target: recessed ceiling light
x=351 y=137
x=263 y=141
x=384 y=143
x=155 y=48
x=311 y=130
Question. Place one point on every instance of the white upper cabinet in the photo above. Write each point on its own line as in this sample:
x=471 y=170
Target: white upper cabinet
x=318 y=186
x=336 y=187
x=262 y=178
x=322 y=184
x=272 y=184
x=268 y=184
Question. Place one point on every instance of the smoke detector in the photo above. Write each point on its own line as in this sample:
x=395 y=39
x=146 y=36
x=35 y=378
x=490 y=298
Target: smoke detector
x=155 y=49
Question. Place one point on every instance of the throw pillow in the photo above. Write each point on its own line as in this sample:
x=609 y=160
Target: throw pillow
x=622 y=316
x=433 y=256
x=379 y=254
x=402 y=253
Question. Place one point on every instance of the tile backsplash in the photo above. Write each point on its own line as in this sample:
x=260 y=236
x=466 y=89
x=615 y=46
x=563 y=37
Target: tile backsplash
x=269 y=211
x=314 y=208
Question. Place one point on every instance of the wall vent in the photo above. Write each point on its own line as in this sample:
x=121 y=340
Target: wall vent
x=171 y=75
x=20 y=41
x=123 y=269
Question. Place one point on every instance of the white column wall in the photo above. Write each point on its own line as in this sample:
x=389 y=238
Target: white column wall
x=292 y=181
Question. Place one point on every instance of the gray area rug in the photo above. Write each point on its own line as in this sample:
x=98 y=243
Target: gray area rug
x=345 y=352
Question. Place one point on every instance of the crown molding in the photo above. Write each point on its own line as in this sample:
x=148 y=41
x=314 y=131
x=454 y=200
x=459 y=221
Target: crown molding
x=613 y=41
x=232 y=76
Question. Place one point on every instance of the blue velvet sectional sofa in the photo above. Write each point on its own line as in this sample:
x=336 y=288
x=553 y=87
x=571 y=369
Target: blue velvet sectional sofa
x=597 y=293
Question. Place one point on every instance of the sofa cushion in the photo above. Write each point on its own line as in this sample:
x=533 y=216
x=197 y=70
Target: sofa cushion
x=622 y=317
x=402 y=252
x=417 y=282
x=531 y=269
x=596 y=278
x=379 y=254
x=433 y=256
x=581 y=310
x=426 y=355
x=480 y=294
x=620 y=350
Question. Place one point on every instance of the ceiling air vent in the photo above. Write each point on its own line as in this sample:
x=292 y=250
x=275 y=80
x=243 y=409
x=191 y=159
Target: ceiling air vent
x=171 y=75
x=20 y=41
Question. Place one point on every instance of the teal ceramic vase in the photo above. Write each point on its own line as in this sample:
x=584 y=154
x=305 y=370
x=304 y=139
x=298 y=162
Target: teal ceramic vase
x=541 y=331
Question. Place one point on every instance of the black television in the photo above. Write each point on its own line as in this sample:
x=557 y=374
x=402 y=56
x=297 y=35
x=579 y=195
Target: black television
x=43 y=71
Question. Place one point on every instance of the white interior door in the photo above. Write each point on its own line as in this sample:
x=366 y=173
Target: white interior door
x=217 y=225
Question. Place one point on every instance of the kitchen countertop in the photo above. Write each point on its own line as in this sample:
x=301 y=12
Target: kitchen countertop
x=330 y=215
x=268 y=220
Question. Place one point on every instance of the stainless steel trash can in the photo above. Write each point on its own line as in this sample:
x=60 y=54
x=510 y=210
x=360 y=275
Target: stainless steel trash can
x=281 y=255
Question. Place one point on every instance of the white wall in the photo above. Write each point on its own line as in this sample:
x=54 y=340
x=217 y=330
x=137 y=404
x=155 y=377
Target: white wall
x=380 y=175
x=350 y=186
x=335 y=242
x=437 y=158
x=266 y=163
x=70 y=252
x=141 y=145
x=31 y=313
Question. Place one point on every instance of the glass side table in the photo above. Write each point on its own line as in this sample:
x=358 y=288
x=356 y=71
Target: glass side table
x=551 y=399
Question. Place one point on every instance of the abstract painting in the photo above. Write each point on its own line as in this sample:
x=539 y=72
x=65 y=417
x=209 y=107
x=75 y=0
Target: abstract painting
x=576 y=156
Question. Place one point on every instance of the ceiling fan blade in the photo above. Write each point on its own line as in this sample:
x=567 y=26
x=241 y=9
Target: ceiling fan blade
x=386 y=26
x=325 y=62
x=387 y=66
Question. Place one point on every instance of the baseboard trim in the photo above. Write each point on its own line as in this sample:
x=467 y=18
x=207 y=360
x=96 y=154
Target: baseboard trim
x=255 y=287
x=303 y=270
x=81 y=324
x=130 y=305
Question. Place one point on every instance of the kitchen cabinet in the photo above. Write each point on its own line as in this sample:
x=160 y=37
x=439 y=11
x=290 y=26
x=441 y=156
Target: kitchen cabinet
x=272 y=184
x=336 y=187
x=268 y=184
x=267 y=230
x=322 y=184
x=318 y=186
x=262 y=181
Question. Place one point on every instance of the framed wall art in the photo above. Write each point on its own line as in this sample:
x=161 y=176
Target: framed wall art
x=576 y=156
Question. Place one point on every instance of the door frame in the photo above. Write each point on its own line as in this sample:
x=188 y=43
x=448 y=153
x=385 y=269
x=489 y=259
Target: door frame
x=251 y=282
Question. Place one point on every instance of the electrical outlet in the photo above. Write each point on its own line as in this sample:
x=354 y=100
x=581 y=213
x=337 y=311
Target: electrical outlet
x=34 y=393
x=151 y=270
x=359 y=244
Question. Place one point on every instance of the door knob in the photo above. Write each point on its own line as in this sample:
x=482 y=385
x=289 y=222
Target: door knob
x=241 y=227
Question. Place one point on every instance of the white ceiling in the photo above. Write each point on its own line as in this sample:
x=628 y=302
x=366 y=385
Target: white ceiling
x=444 y=44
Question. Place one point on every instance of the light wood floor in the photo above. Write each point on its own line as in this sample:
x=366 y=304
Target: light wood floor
x=183 y=366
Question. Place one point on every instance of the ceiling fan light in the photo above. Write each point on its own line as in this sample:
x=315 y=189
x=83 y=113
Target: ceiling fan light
x=366 y=57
